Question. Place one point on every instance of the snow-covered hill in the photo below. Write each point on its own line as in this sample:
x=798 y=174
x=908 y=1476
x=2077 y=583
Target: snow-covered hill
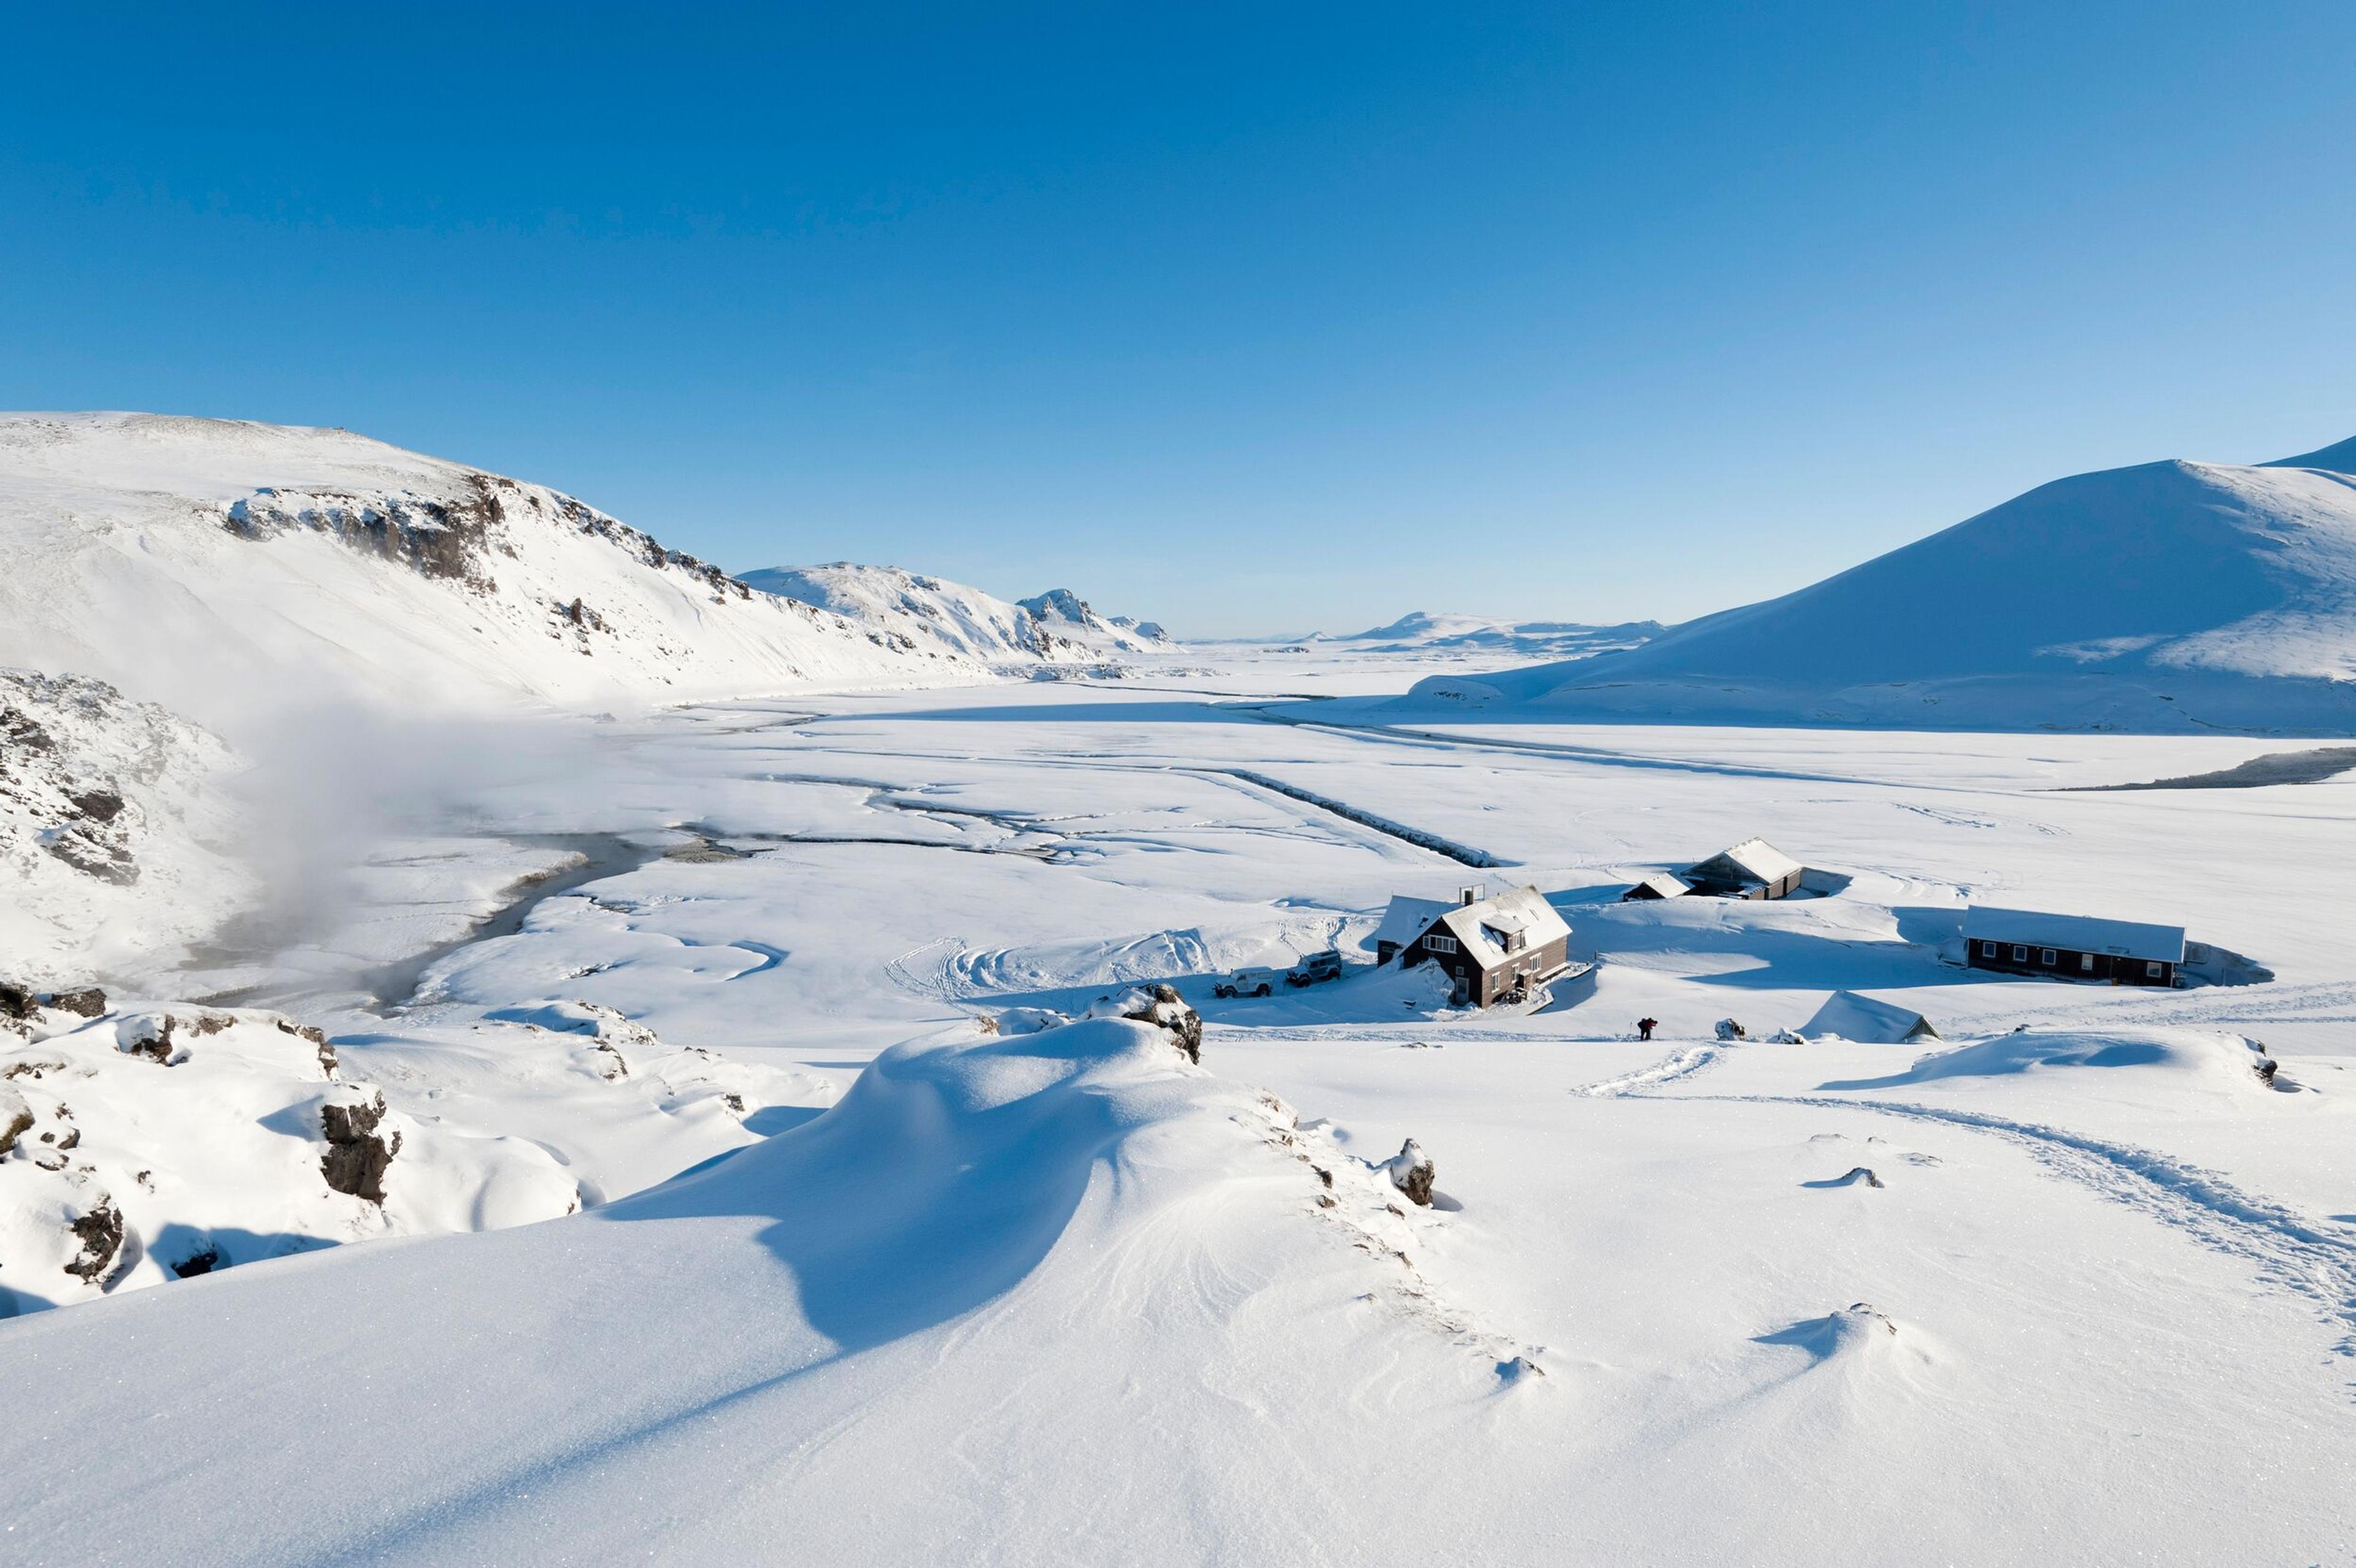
x=1419 y=632
x=935 y=615
x=2166 y=597
x=207 y=562
x=110 y=828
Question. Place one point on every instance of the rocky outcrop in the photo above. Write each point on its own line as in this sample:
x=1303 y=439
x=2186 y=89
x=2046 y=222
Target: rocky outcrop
x=100 y=1233
x=89 y=1002
x=1164 y=1007
x=1412 y=1172
x=360 y=1147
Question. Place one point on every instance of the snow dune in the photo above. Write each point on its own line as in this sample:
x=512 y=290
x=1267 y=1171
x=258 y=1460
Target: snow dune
x=2168 y=597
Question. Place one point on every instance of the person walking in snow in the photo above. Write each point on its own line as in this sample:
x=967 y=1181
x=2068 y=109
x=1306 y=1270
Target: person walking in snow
x=1644 y=1027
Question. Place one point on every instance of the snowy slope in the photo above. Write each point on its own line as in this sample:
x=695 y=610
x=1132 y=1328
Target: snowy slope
x=935 y=615
x=207 y=562
x=2170 y=596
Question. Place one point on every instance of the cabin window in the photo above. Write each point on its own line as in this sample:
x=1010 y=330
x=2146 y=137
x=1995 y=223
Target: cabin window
x=2020 y=954
x=2151 y=968
x=2086 y=962
x=1988 y=949
x=2049 y=957
x=1439 y=944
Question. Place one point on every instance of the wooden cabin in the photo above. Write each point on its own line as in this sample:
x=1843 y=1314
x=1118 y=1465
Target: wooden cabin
x=1490 y=947
x=2072 y=946
x=1753 y=868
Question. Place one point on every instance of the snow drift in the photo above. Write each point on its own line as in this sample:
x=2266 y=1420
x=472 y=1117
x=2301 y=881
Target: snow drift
x=215 y=565
x=2166 y=597
x=997 y=1251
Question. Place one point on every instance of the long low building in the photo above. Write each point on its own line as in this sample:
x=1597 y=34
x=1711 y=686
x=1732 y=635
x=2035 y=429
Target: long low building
x=2072 y=946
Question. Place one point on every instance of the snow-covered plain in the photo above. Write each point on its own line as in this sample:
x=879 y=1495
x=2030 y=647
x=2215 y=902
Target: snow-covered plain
x=1059 y=1295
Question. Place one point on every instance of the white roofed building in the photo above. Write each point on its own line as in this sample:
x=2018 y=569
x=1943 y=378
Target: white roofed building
x=1491 y=947
x=2072 y=946
x=1659 y=885
x=1753 y=868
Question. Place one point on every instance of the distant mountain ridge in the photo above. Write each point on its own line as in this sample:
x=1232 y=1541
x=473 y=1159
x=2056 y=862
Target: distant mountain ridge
x=933 y=614
x=1419 y=630
x=208 y=563
x=2163 y=597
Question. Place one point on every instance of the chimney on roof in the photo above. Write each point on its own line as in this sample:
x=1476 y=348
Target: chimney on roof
x=1471 y=895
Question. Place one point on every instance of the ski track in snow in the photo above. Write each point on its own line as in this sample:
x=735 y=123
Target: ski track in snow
x=1673 y=1068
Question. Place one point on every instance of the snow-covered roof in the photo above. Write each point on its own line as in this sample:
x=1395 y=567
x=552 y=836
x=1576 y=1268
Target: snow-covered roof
x=1664 y=885
x=1408 y=919
x=1852 y=1017
x=1481 y=927
x=1756 y=857
x=2082 y=933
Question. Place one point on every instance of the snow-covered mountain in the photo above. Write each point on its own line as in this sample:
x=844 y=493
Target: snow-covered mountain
x=934 y=614
x=1064 y=617
x=201 y=563
x=2165 y=597
x=1420 y=632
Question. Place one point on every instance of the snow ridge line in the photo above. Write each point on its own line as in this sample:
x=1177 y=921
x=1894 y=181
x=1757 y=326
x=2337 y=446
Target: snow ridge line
x=1398 y=830
x=2288 y=1249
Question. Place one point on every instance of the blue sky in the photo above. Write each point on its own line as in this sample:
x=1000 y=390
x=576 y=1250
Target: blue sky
x=1246 y=318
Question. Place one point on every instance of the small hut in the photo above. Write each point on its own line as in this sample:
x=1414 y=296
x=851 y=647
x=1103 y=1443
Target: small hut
x=1753 y=868
x=1659 y=885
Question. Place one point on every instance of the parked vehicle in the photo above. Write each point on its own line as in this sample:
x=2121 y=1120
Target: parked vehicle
x=1247 y=983
x=1326 y=966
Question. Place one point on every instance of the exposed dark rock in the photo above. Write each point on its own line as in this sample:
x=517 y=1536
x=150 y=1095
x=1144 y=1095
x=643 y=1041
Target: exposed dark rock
x=1728 y=1028
x=1412 y=1172
x=99 y=805
x=1864 y=1173
x=1169 y=1009
x=16 y=1002
x=89 y=1002
x=15 y=1119
x=93 y=856
x=100 y=1231
x=317 y=1037
x=150 y=1037
x=204 y=1260
x=357 y=1153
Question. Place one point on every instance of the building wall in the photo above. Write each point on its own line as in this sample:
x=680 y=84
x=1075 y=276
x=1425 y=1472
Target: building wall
x=2069 y=964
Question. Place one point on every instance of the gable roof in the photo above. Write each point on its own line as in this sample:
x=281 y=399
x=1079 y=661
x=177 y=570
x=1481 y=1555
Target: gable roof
x=2080 y=932
x=1664 y=885
x=1481 y=927
x=1406 y=919
x=1755 y=858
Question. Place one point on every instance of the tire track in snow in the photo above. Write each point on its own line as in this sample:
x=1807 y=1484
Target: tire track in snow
x=2285 y=1248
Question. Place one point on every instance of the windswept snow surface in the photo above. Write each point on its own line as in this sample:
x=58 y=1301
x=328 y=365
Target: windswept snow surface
x=2168 y=598
x=199 y=562
x=935 y=615
x=1052 y=1294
